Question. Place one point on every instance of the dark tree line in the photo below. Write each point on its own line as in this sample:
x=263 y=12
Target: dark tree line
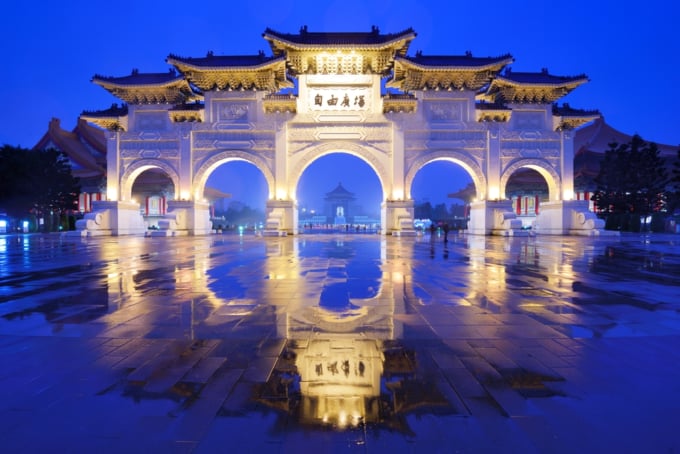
x=36 y=183
x=439 y=212
x=239 y=214
x=634 y=185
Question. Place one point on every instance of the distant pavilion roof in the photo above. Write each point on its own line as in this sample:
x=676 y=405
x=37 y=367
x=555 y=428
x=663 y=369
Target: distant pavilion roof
x=340 y=193
x=85 y=147
x=148 y=88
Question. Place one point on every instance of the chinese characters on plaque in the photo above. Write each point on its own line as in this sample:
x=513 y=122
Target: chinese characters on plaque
x=339 y=100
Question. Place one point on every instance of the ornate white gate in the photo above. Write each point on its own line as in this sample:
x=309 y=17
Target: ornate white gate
x=355 y=93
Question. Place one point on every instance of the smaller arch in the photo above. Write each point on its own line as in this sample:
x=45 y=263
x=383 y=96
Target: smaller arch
x=457 y=157
x=542 y=167
x=138 y=167
x=206 y=168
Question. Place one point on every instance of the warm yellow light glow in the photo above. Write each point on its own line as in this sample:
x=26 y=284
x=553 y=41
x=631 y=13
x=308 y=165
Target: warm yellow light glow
x=398 y=194
x=111 y=194
x=568 y=194
x=184 y=195
x=342 y=419
x=281 y=194
x=494 y=193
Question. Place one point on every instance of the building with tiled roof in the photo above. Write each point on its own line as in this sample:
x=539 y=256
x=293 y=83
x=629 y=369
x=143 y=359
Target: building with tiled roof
x=85 y=149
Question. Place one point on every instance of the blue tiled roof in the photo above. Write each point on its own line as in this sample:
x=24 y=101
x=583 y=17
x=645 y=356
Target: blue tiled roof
x=457 y=60
x=211 y=60
x=137 y=78
x=305 y=37
x=542 y=78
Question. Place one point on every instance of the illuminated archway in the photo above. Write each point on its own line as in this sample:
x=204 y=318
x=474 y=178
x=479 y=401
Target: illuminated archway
x=460 y=158
x=136 y=169
x=365 y=154
x=216 y=160
x=551 y=177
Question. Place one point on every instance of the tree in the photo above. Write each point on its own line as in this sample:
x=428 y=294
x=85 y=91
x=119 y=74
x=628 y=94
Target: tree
x=673 y=198
x=36 y=181
x=632 y=181
x=423 y=210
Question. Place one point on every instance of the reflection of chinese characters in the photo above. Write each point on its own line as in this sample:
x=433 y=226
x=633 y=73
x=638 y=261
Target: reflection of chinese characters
x=359 y=368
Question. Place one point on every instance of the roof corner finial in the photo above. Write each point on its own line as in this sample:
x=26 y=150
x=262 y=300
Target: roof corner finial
x=419 y=53
x=375 y=29
x=303 y=29
x=210 y=54
x=468 y=53
x=544 y=70
x=135 y=71
x=260 y=53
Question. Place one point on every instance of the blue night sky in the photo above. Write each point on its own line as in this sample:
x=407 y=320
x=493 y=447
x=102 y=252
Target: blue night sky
x=629 y=50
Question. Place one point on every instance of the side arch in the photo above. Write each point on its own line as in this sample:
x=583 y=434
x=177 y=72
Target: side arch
x=131 y=173
x=366 y=154
x=206 y=168
x=542 y=167
x=462 y=159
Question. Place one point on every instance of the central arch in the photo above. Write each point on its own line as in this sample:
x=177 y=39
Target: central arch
x=363 y=152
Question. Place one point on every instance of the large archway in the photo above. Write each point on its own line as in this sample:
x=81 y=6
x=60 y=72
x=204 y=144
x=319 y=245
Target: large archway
x=462 y=159
x=204 y=171
x=159 y=167
x=237 y=192
x=152 y=189
x=440 y=192
x=352 y=202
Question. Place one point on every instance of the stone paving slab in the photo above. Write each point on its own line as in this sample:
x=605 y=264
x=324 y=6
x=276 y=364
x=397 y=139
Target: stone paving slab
x=200 y=344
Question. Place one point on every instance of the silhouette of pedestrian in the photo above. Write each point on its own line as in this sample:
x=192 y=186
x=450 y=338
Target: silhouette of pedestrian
x=446 y=232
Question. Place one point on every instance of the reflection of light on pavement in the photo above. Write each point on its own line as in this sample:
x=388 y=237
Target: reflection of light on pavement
x=532 y=307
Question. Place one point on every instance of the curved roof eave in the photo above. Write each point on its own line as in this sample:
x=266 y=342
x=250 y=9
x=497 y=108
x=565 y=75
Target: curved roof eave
x=281 y=60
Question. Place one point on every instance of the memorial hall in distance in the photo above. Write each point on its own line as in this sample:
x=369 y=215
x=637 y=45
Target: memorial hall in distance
x=317 y=93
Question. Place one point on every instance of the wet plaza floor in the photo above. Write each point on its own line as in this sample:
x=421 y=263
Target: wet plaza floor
x=334 y=343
